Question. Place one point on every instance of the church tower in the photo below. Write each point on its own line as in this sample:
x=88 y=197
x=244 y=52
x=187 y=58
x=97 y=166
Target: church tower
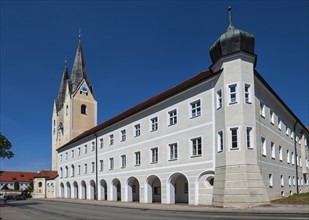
x=75 y=108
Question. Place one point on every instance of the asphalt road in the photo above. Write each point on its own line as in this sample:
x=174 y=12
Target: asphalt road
x=48 y=210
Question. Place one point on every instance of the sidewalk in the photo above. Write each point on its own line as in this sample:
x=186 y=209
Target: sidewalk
x=272 y=209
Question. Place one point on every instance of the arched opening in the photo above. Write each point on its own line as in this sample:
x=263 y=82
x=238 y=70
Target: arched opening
x=83 y=109
x=103 y=190
x=75 y=190
x=153 y=189
x=133 y=190
x=84 y=190
x=68 y=190
x=204 y=188
x=178 y=189
x=116 y=190
x=92 y=190
x=61 y=190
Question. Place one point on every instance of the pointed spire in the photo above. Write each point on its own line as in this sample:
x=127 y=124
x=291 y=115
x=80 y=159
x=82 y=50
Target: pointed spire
x=79 y=71
x=62 y=88
x=230 y=17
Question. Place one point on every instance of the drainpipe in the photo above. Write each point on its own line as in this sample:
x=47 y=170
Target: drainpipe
x=295 y=157
x=96 y=168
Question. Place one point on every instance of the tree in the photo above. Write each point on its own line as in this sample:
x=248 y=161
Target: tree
x=16 y=185
x=30 y=187
x=5 y=146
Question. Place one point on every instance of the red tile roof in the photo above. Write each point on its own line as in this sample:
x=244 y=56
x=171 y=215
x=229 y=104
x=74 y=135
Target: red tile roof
x=146 y=104
x=48 y=174
x=13 y=176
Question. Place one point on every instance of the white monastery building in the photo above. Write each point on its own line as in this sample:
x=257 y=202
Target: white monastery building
x=222 y=138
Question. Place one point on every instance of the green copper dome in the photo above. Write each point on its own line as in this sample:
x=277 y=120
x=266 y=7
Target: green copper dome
x=233 y=40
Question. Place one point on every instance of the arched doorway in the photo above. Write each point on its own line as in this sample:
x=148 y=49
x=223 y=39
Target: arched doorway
x=75 y=190
x=178 y=189
x=84 y=190
x=92 y=190
x=103 y=190
x=61 y=190
x=116 y=190
x=132 y=189
x=204 y=188
x=153 y=189
x=68 y=190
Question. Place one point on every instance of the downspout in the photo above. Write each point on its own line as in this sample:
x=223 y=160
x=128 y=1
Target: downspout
x=295 y=157
x=96 y=168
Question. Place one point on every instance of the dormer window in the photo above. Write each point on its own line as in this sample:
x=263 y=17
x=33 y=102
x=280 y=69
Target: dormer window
x=83 y=109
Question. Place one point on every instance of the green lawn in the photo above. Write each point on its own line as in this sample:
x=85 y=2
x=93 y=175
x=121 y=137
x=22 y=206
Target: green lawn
x=302 y=198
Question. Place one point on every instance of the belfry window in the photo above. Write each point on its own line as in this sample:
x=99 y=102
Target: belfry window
x=83 y=109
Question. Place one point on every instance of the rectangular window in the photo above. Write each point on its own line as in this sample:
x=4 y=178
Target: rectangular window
x=219 y=99
x=85 y=168
x=272 y=117
x=101 y=165
x=123 y=161
x=111 y=163
x=294 y=183
x=270 y=178
x=220 y=141
x=111 y=139
x=195 y=108
x=92 y=146
x=137 y=130
x=72 y=154
x=288 y=156
x=287 y=131
x=154 y=155
x=66 y=155
x=282 y=180
x=173 y=151
x=173 y=117
x=196 y=146
x=234 y=138
x=101 y=142
x=249 y=138
x=273 y=152
x=247 y=93
x=154 y=124
x=61 y=157
x=92 y=167
x=85 y=149
x=123 y=135
x=293 y=158
x=233 y=93
x=262 y=109
x=78 y=169
x=279 y=124
x=137 y=158
x=78 y=150
x=263 y=146
x=280 y=153
x=290 y=181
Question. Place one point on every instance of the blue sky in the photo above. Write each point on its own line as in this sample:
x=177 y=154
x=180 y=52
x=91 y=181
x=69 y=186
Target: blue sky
x=133 y=50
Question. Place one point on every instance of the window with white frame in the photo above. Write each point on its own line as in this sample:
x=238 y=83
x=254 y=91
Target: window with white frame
x=270 y=179
x=249 y=137
x=123 y=161
x=287 y=131
x=85 y=168
x=173 y=151
x=280 y=153
x=196 y=146
x=111 y=163
x=137 y=130
x=287 y=156
x=234 y=138
x=220 y=141
x=292 y=134
x=195 y=108
x=85 y=149
x=263 y=146
x=66 y=171
x=154 y=155
x=248 y=93
x=233 y=94
x=290 y=181
x=92 y=146
x=292 y=158
x=92 y=167
x=272 y=117
x=101 y=142
x=137 y=158
x=61 y=172
x=279 y=124
x=262 y=109
x=123 y=135
x=78 y=151
x=173 y=117
x=154 y=124
x=111 y=139
x=282 y=180
x=78 y=170
x=72 y=170
x=219 y=99
x=72 y=153
x=273 y=151
x=101 y=165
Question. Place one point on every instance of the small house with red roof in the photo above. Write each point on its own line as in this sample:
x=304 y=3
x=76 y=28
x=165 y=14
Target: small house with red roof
x=8 y=178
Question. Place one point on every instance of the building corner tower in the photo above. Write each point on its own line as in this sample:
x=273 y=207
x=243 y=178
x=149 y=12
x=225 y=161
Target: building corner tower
x=75 y=108
x=238 y=181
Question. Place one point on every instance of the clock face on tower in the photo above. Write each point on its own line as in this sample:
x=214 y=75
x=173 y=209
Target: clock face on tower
x=84 y=89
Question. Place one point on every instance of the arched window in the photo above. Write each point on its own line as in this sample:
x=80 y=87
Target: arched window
x=72 y=170
x=66 y=171
x=83 y=109
x=61 y=172
x=40 y=184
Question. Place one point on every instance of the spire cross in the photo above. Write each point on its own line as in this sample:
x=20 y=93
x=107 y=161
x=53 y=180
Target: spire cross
x=79 y=35
x=65 y=62
x=230 y=16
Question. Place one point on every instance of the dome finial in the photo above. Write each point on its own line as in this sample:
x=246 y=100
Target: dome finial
x=230 y=16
